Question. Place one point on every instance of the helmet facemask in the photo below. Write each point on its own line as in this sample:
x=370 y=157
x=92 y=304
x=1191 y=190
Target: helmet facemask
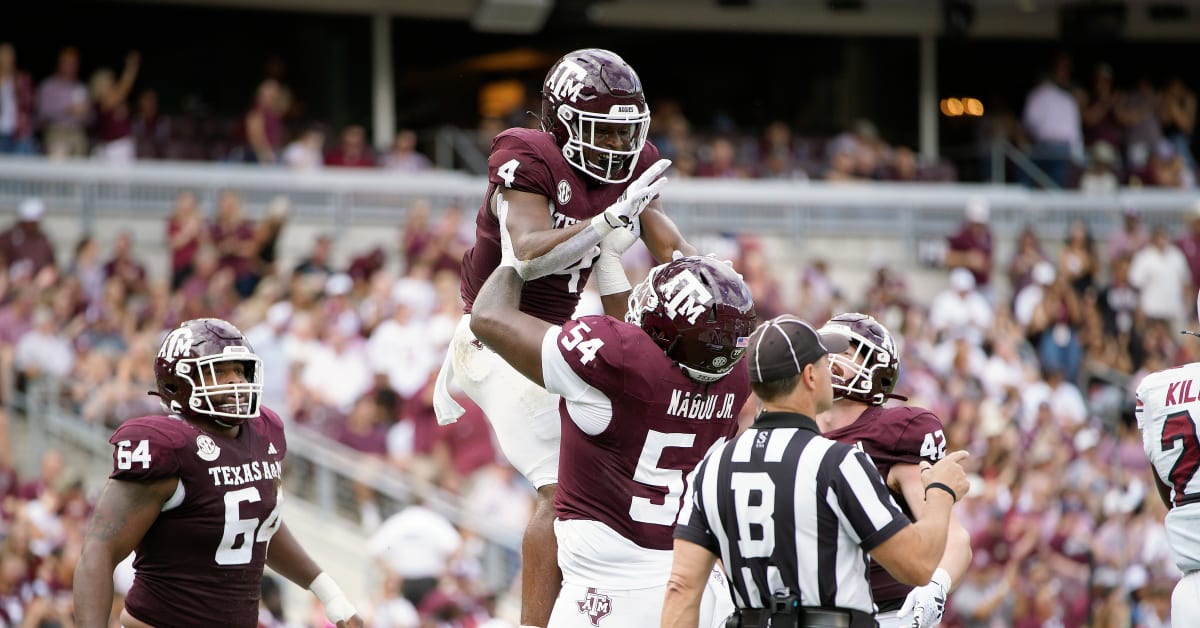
x=584 y=149
x=858 y=375
x=227 y=404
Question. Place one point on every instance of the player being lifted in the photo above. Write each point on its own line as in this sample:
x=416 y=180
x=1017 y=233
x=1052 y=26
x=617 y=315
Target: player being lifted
x=577 y=193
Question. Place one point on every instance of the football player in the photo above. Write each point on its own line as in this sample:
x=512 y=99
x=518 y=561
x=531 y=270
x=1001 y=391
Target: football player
x=1167 y=408
x=898 y=439
x=195 y=491
x=585 y=183
x=641 y=402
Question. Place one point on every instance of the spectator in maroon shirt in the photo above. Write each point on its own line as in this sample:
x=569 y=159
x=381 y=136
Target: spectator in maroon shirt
x=971 y=247
x=352 y=152
x=263 y=125
x=233 y=236
x=112 y=122
x=16 y=105
x=151 y=131
x=25 y=243
x=185 y=234
x=124 y=267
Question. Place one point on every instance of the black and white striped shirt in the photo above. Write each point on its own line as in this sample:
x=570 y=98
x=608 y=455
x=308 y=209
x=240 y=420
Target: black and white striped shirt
x=785 y=507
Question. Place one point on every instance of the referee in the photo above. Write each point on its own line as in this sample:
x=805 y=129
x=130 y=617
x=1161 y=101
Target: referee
x=792 y=514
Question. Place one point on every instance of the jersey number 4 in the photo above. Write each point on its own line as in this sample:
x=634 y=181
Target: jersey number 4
x=237 y=541
x=1180 y=427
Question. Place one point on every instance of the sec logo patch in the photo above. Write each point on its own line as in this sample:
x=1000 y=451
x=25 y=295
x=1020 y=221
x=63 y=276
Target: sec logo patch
x=206 y=448
x=564 y=192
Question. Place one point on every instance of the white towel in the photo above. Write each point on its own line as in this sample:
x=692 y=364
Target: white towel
x=445 y=407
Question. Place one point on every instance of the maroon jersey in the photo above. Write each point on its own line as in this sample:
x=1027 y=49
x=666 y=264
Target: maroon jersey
x=530 y=161
x=632 y=476
x=201 y=562
x=891 y=436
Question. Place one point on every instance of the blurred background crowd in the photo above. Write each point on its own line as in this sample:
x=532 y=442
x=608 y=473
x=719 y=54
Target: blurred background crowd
x=1034 y=378
x=1081 y=126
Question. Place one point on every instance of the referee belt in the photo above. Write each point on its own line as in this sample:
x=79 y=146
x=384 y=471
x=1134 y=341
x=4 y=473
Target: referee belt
x=805 y=617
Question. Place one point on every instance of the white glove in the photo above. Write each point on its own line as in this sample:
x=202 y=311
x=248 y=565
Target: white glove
x=610 y=274
x=626 y=210
x=926 y=603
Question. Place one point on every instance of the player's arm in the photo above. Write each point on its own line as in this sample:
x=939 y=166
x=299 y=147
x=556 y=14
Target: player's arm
x=286 y=556
x=1164 y=491
x=690 y=567
x=541 y=250
x=912 y=554
x=498 y=322
x=124 y=512
x=957 y=557
x=661 y=235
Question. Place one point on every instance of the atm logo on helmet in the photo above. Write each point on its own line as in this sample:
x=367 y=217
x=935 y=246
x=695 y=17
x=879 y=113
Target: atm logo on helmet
x=178 y=344
x=566 y=80
x=686 y=296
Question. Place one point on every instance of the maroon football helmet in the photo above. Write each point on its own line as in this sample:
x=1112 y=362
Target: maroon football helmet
x=590 y=88
x=699 y=311
x=185 y=370
x=871 y=373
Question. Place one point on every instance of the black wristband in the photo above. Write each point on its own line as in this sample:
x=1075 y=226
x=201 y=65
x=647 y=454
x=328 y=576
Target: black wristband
x=949 y=490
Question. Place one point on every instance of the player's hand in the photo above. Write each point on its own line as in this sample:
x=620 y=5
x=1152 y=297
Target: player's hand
x=619 y=240
x=639 y=194
x=948 y=471
x=926 y=603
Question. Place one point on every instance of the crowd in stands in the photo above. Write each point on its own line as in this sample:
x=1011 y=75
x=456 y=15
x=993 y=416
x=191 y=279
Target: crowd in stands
x=1094 y=134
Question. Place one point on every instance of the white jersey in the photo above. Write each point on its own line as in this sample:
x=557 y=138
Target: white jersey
x=1168 y=408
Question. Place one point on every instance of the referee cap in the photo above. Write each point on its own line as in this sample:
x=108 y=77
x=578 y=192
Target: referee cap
x=781 y=347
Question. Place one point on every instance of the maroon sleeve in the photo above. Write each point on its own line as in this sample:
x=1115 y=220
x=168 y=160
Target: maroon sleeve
x=517 y=164
x=593 y=346
x=145 y=450
x=921 y=437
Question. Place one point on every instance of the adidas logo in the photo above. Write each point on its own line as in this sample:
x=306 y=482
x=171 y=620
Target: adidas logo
x=271 y=449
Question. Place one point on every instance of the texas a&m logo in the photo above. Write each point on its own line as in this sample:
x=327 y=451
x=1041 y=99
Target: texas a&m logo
x=686 y=296
x=178 y=344
x=566 y=81
x=595 y=605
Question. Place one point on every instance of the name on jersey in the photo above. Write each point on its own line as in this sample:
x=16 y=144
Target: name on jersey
x=562 y=221
x=694 y=405
x=1179 y=392
x=224 y=475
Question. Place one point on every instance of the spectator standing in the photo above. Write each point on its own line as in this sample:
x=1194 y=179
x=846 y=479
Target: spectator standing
x=1177 y=110
x=1052 y=120
x=1160 y=273
x=112 y=123
x=1130 y=237
x=16 y=105
x=233 y=235
x=63 y=109
x=1145 y=130
x=151 y=130
x=263 y=125
x=971 y=247
x=186 y=232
